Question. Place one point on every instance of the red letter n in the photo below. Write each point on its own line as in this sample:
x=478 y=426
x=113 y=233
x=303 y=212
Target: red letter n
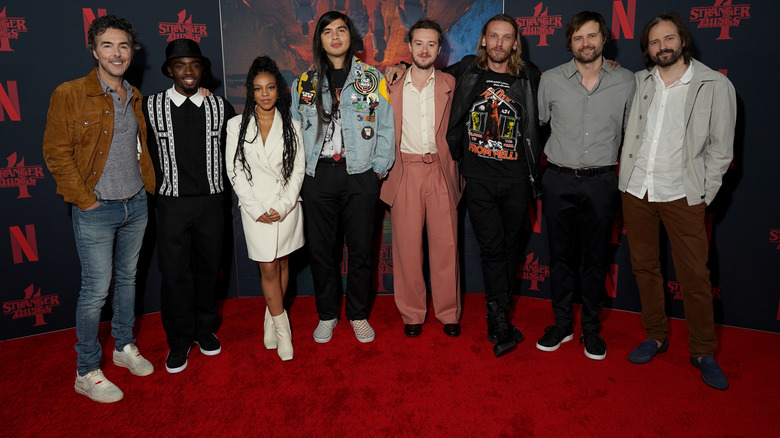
x=89 y=17
x=10 y=102
x=21 y=244
x=623 y=19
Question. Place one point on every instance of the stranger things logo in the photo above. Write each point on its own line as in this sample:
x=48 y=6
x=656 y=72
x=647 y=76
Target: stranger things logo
x=183 y=28
x=774 y=237
x=492 y=126
x=17 y=175
x=540 y=24
x=675 y=289
x=532 y=271
x=723 y=14
x=10 y=28
x=33 y=305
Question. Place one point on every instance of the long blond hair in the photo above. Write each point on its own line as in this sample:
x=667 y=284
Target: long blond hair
x=515 y=61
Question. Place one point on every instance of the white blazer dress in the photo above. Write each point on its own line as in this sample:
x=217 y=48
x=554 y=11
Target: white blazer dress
x=267 y=242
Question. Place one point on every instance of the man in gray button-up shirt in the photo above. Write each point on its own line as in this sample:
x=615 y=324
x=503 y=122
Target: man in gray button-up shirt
x=586 y=102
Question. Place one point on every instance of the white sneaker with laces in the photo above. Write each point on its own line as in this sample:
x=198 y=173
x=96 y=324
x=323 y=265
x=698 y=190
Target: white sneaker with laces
x=324 y=330
x=131 y=359
x=95 y=386
x=363 y=330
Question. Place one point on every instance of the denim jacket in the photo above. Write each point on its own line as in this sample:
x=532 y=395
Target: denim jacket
x=369 y=142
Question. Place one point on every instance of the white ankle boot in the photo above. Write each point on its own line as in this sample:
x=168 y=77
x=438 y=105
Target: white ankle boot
x=284 y=336
x=269 y=332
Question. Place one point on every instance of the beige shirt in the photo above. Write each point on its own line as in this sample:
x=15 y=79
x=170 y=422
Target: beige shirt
x=418 y=131
x=659 y=165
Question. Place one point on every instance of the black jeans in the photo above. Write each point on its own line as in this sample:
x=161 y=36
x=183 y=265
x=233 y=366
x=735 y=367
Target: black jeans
x=334 y=196
x=189 y=247
x=579 y=213
x=497 y=211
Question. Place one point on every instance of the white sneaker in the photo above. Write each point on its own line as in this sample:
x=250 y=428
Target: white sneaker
x=95 y=386
x=324 y=330
x=131 y=359
x=363 y=330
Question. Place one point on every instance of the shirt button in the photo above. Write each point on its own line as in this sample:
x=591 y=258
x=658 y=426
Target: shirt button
x=100 y=153
x=94 y=173
x=640 y=117
x=86 y=122
x=630 y=155
x=645 y=98
x=105 y=132
x=586 y=133
x=637 y=137
x=108 y=112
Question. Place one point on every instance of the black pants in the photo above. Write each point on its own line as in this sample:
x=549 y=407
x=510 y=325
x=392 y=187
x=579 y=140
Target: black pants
x=330 y=198
x=579 y=213
x=497 y=211
x=189 y=246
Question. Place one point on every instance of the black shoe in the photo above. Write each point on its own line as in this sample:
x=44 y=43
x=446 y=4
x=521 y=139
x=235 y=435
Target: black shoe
x=595 y=347
x=176 y=361
x=711 y=372
x=507 y=336
x=646 y=350
x=209 y=344
x=412 y=330
x=452 y=330
x=554 y=336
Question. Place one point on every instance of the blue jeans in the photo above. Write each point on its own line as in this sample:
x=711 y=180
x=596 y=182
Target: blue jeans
x=108 y=241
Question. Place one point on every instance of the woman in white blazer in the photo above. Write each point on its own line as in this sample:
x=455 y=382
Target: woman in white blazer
x=265 y=165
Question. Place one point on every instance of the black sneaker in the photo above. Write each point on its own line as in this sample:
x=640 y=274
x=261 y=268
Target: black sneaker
x=176 y=361
x=595 y=347
x=554 y=336
x=209 y=344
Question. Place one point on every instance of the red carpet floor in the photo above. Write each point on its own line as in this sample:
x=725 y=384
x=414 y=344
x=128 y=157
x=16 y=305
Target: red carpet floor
x=432 y=385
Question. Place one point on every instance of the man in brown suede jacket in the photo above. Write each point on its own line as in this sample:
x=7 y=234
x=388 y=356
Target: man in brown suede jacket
x=95 y=148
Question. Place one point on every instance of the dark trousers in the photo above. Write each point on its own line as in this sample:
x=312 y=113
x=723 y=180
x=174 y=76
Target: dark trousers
x=687 y=233
x=330 y=198
x=497 y=212
x=579 y=213
x=189 y=246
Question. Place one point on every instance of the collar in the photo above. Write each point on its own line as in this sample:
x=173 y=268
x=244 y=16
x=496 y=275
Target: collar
x=685 y=79
x=108 y=90
x=570 y=68
x=178 y=99
x=408 y=79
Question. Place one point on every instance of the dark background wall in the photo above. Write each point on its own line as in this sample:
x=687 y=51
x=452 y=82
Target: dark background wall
x=43 y=45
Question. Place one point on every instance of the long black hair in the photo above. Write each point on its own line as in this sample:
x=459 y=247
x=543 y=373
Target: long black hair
x=264 y=64
x=325 y=67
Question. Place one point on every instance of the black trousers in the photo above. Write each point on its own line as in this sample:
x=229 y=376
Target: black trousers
x=497 y=211
x=331 y=198
x=189 y=246
x=579 y=213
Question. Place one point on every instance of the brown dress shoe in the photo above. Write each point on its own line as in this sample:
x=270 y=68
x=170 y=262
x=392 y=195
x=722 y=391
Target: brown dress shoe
x=412 y=330
x=452 y=330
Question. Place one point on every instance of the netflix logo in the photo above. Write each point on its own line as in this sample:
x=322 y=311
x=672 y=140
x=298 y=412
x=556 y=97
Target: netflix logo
x=623 y=19
x=17 y=175
x=183 y=28
x=88 y=16
x=539 y=24
x=723 y=14
x=23 y=245
x=532 y=271
x=9 y=102
x=33 y=305
x=10 y=28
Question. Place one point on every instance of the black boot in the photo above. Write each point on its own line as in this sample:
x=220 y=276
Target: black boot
x=506 y=335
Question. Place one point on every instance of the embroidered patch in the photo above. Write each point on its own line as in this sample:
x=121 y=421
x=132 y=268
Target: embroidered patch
x=367 y=83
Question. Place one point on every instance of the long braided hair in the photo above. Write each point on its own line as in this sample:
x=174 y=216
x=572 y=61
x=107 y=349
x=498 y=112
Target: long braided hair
x=264 y=64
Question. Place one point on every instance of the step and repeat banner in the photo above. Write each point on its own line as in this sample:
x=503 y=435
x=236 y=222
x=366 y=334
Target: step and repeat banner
x=43 y=45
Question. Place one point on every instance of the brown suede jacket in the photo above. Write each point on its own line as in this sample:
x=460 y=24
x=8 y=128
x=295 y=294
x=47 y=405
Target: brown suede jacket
x=79 y=128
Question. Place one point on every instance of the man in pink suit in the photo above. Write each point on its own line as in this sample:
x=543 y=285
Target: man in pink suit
x=424 y=187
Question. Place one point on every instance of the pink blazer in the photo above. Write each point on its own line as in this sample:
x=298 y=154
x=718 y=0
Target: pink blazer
x=445 y=84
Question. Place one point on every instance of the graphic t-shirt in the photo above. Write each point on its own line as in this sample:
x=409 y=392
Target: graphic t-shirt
x=333 y=146
x=495 y=124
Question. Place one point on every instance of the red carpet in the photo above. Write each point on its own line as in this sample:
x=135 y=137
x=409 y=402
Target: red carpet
x=427 y=386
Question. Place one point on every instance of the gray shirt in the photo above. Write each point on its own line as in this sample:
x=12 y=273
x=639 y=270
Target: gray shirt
x=587 y=126
x=121 y=177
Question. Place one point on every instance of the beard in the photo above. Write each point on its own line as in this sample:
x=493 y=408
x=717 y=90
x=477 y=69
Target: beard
x=422 y=64
x=498 y=58
x=666 y=62
x=586 y=59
